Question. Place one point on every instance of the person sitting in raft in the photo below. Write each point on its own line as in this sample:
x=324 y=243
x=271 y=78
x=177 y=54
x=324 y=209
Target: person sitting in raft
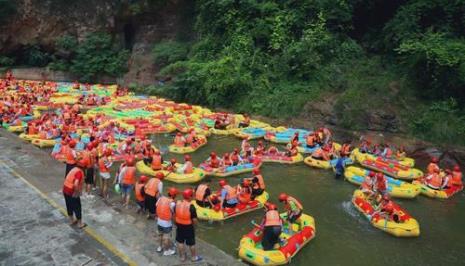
x=220 y=123
x=433 y=166
x=179 y=140
x=272 y=150
x=381 y=184
x=327 y=135
x=246 y=148
x=401 y=153
x=260 y=149
x=187 y=167
x=213 y=161
x=272 y=226
x=292 y=151
x=386 y=209
x=434 y=180
x=157 y=161
x=387 y=152
x=192 y=138
x=310 y=140
x=258 y=183
x=203 y=196
x=228 y=195
x=245 y=122
x=321 y=153
x=227 y=161
x=293 y=208
x=171 y=167
x=295 y=139
x=345 y=149
x=235 y=157
x=244 y=191
x=365 y=146
x=456 y=179
x=125 y=147
x=367 y=186
x=447 y=176
x=377 y=150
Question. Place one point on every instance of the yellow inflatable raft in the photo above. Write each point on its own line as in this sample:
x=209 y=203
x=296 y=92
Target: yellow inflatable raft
x=176 y=149
x=393 y=169
x=439 y=194
x=194 y=177
x=28 y=137
x=406 y=227
x=250 y=248
x=220 y=215
x=43 y=143
x=360 y=157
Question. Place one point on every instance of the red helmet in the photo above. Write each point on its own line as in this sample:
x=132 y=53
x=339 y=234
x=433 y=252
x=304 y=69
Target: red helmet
x=143 y=179
x=142 y=137
x=222 y=183
x=456 y=167
x=386 y=197
x=246 y=182
x=160 y=175
x=173 y=160
x=213 y=154
x=172 y=192
x=128 y=140
x=187 y=157
x=236 y=150
x=372 y=174
x=179 y=134
x=89 y=146
x=108 y=152
x=72 y=143
x=130 y=161
x=435 y=160
x=271 y=206
x=379 y=175
x=256 y=171
x=326 y=148
x=187 y=193
x=282 y=197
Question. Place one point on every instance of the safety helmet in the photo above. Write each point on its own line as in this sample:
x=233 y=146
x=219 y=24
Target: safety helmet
x=187 y=193
x=282 y=197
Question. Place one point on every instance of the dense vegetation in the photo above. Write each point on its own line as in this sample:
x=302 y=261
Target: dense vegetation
x=272 y=57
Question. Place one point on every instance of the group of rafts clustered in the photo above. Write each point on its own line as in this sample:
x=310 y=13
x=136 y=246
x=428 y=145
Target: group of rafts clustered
x=140 y=116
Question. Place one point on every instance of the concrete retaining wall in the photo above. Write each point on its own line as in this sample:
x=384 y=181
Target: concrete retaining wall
x=39 y=73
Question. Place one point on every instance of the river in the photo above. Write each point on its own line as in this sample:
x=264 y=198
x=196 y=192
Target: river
x=343 y=235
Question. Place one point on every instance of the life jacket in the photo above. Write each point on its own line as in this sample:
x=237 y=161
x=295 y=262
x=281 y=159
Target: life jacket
x=367 y=184
x=244 y=194
x=345 y=149
x=260 y=184
x=310 y=140
x=189 y=168
x=151 y=188
x=69 y=155
x=227 y=161
x=456 y=179
x=129 y=177
x=435 y=181
x=234 y=158
x=318 y=153
x=272 y=218
x=381 y=186
x=156 y=162
x=138 y=187
x=387 y=153
x=232 y=192
x=296 y=202
x=163 y=208
x=200 y=192
x=102 y=164
x=214 y=163
x=400 y=155
x=70 y=177
x=183 y=214
x=179 y=141
x=432 y=168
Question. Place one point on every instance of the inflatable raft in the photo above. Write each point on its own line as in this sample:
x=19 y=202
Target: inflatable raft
x=282 y=159
x=227 y=213
x=44 y=143
x=360 y=157
x=251 y=250
x=310 y=161
x=193 y=147
x=228 y=170
x=408 y=228
x=440 y=194
x=393 y=169
x=194 y=177
x=250 y=133
x=396 y=188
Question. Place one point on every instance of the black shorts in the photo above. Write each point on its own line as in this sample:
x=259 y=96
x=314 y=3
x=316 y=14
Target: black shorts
x=204 y=204
x=185 y=234
x=89 y=176
x=293 y=217
x=257 y=192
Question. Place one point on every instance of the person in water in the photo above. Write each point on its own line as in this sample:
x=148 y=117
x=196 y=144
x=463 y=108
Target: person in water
x=272 y=225
x=340 y=166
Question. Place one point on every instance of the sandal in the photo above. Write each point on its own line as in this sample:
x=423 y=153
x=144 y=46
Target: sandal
x=82 y=226
x=196 y=259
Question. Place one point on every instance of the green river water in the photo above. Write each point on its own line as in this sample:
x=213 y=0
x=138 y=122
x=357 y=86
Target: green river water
x=343 y=235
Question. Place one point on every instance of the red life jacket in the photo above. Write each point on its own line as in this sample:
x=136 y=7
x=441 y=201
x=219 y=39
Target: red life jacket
x=183 y=214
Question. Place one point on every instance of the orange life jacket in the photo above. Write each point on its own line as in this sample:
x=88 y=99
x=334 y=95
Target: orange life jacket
x=101 y=164
x=310 y=140
x=432 y=168
x=318 y=153
x=179 y=141
x=435 y=181
x=214 y=163
x=456 y=178
x=70 y=177
x=189 y=167
x=129 y=177
x=70 y=158
x=232 y=192
x=163 y=208
x=345 y=149
x=388 y=153
x=200 y=192
x=138 y=187
x=183 y=214
x=151 y=188
x=156 y=162
x=244 y=195
x=296 y=202
x=86 y=158
x=272 y=218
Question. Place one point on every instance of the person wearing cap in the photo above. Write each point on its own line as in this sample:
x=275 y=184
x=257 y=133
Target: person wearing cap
x=321 y=153
x=165 y=212
x=87 y=156
x=244 y=193
x=127 y=180
x=272 y=226
x=171 y=167
x=381 y=184
x=213 y=160
x=187 y=167
x=228 y=198
x=386 y=209
x=185 y=218
x=202 y=195
x=245 y=122
x=293 y=207
x=72 y=188
x=139 y=193
x=235 y=157
x=157 y=161
x=258 y=183
x=152 y=191
x=433 y=166
x=179 y=140
x=104 y=164
x=456 y=179
x=70 y=156
x=367 y=185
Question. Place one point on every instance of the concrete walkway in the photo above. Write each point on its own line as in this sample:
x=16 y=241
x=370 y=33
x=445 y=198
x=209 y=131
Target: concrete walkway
x=129 y=237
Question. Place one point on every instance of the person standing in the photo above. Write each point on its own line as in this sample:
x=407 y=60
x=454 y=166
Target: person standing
x=72 y=188
x=152 y=191
x=165 y=212
x=272 y=226
x=185 y=218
